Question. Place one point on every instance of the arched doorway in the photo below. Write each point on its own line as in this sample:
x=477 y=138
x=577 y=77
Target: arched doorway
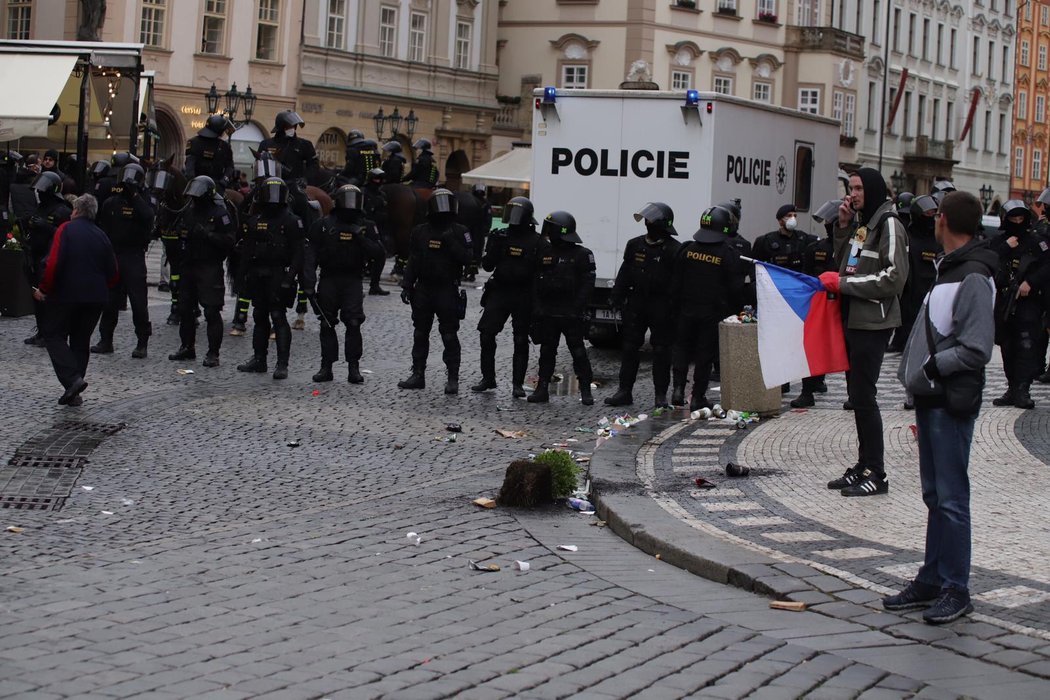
x=456 y=164
x=331 y=149
x=170 y=141
x=247 y=137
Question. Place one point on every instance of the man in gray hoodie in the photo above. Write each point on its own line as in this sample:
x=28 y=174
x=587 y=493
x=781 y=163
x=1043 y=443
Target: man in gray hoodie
x=957 y=320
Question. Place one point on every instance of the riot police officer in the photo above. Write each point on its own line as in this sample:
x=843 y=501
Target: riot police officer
x=127 y=218
x=1024 y=264
x=1042 y=230
x=743 y=248
x=785 y=247
x=511 y=257
x=341 y=243
x=438 y=251
x=51 y=212
x=361 y=157
x=208 y=154
x=9 y=161
x=158 y=184
x=394 y=164
x=904 y=201
x=206 y=235
x=707 y=284
x=295 y=153
x=424 y=171
x=375 y=211
x=477 y=218
x=641 y=291
x=105 y=183
x=271 y=259
x=923 y=249
x=564 y=280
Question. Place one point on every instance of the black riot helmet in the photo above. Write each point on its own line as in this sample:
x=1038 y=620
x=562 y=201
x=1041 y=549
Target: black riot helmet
x=422 y=145
x=944 y=186
x=216 y=126
x=442 y=202
x=133 y=174
x=355 y=136
x=657 y=215
x=478 y=191
x=1044 y=196
x=119 y=160
x=100 y=169
x=735 y=213
x=903 y=201
x=1015 y=207
x=272 y=191
x=560 y=227
x=716 y=224
x=392 y=147
x=48 y=182
x=349 y=198
x=286 y=120
x=828 y=211
x=922 y=206
x=377 y=175
x=201 y=188
x=519 y=212
x=266 y=166
x=10 y=157
x=159 y=180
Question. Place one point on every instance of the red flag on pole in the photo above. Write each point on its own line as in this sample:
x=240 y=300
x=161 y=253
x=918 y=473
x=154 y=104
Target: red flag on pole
x=969 y=117
x=896 y=99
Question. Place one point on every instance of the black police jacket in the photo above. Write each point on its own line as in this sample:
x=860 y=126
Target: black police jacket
x=49 y=215
x=512 y=258
x=340 y=248
x=104 y=188
x=564 y=280
x=296 y=154
x=394 y=167
x=707 y=280
x=1028 y=261
x=786 y=251
x=272 y=240
x=127 y=218
x=209 y=156
x=206 y=233
x=923 y=249
x=374 y=202
x=437 y=255
x=360 y=159
x=424 y=170
x=820 y=257
x=646 y=269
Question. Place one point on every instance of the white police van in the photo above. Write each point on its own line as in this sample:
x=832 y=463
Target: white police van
x=602 y=154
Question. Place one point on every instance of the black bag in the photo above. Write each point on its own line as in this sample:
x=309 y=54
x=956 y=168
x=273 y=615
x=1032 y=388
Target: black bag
x=462 y=304
x=963 y=391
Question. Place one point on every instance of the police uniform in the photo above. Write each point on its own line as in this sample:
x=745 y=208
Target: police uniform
x=394 y=167
x=424 y=171
x=209 y=156
x=361 y=157
x=296 y=154
x=923 y=250
x=51 y=212
x=375 y=211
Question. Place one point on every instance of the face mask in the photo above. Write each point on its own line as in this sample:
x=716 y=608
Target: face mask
x=790 y=223
x=290 y=133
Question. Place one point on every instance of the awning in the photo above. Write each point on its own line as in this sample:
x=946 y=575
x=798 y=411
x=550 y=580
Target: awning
x=512 y=169
x=32 y=84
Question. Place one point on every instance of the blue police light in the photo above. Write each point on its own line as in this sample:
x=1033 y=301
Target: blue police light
x=692 y=98
x=549 y=95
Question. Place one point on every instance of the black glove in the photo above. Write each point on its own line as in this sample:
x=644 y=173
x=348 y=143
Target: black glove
x=36 y=221
x=931 y=371
x=406 y=296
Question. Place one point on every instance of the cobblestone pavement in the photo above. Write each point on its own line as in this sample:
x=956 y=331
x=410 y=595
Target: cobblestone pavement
x=199 y=555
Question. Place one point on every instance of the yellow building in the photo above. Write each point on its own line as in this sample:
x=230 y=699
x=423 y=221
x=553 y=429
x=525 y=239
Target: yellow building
x=1031 y=150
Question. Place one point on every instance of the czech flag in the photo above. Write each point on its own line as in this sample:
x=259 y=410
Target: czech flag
x=799 y=327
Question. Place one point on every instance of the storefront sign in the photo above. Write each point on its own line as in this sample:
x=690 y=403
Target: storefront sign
x=191 y=109
x=331 y=148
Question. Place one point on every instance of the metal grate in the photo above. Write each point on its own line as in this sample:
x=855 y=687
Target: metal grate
x=85 y=426
x=45 y=461
x=31 y=502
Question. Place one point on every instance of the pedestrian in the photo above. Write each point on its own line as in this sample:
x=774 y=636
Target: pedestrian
x=74 y=287
x=707 y=284
x=437 y=253
x=872 y=253
x=642 y=294
x=127 y=218
x=341 y=243
x=511 y=256
x=51 y=212
x=944 y=360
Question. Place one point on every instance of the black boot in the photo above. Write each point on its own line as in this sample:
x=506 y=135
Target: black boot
x=586 y=397
x=212 y=359
x=622 y=397
x=324 y=374
x=353 y=373
x=1007 y=399
x=376 y=291
x=34 y=339
x=485 y=384
x=1044 y=378
x=416 y=380
x=1023 y=397
x=698 y=402
x=103 y=347
x=140 y=351
x=280 y=371
x=452 y=385
x=661 y=399
x=519 y=365
x=678 y=395
x=542 y=394
x=255 y=364
x=173 y=318
x=183 y=353
x=804 y=400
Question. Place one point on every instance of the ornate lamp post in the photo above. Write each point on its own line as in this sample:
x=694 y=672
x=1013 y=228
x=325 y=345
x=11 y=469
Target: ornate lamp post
x=235 y=102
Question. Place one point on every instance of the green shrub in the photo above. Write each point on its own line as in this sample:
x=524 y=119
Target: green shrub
x=564 y=472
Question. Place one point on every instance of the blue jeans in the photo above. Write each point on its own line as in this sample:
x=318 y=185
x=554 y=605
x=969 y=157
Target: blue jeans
x=944 y=455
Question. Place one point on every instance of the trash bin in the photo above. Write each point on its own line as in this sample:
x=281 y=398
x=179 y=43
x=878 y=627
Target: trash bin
x=16 y=296
x=741 y=374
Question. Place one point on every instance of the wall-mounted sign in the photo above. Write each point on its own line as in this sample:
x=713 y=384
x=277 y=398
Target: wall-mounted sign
x=191 y=109
x=331 y=148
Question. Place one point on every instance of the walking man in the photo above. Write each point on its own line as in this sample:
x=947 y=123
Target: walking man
x=950 y=343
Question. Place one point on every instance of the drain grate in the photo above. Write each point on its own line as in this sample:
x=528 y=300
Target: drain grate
x=31 y=502
x=36 y=488
x=45 y=461
x=85 y=426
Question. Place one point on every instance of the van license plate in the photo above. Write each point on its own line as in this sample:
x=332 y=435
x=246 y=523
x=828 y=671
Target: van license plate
x=607 y=315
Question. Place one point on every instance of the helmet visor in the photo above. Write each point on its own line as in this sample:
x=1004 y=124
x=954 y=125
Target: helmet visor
x=443 y=203
x=657 y=215
x=273 y=193
x=828 y=211
x=348 y=198
x=517 y=213
x=197 y=188
x=266 y=167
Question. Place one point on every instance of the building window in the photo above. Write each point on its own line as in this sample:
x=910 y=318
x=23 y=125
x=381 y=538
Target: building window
x=939 y=58
x=809 y=100
x=890 y=129
x=1002 y=131
x=906 y=121
x=1042 y=57
x=214 y=29
x=1019 y=162
x=1040 y=108
x=926 y=40
x=387 y=31
x=19 y=16
x=987 y=130
x=573 y=76
x=1028 y=11
x=991 y=60
x=911 y=34
x=1006 y=61
x=681 y=80
x=920 y=123
x=843 y=108
x=896 y=44
x=151 y=28
x=873 y=112
x=1024 y=52
x=976 y=56
x=875 y=23
x=1044 y=15
x=951 y=48
x=948 y=121
x=336 y=23
x=417 y=37
x=266 y=40
x=1037 y=164
x=727 y=7
x=808 y=13
x=1022 y=105
x=463 y=32
x=723 y=85
x=762 y=92
x=935 y=118
x=767 y=9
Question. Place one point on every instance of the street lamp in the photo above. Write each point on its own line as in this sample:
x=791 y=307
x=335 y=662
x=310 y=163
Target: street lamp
x=986 y=196
x=394 y=121
x=235 y=102
x=379 y=119
x=898 y=181
x=410 y=123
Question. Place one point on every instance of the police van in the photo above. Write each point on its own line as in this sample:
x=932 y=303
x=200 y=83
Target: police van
x=602 y=154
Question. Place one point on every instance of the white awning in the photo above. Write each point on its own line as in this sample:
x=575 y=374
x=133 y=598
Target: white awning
x=512 y=169
x=32 y=84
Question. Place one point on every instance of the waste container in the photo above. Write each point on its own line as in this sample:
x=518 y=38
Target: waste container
x=741 y=375
x=16 y=296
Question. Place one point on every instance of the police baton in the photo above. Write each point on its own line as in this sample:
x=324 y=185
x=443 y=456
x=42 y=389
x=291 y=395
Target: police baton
x=312 y=298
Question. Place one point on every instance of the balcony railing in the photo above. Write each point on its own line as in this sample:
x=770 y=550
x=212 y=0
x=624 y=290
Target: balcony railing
x=826 y=39
x=927 y=148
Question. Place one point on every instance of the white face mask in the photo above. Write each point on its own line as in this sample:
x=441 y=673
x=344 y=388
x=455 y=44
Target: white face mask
x=290 y=133
x=790 y=223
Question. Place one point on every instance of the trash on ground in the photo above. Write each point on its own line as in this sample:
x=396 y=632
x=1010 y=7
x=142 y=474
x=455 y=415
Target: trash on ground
x=568 y=547
x=583 y=460
x=581 y=505
x=659 y=411
x=15 y=530
x=737 y=470
x=793 y=606
x=454 y=428
x=914 y=431
x=599 y=523
x=316 y=392
x=511 y=434
x=366 y=371
x=127 y=502
x=294 y=443
x=704 y=483
x=700 y=414
x=184 y=371
x=257 y=540
x=718 y=412
x=484 y=502
x=399 y=447
x=447 y=438
x=414 y=538
x=585 y=492
x=482 y=567
x=582 y=429
x=658 y=556
x=107 y=512
x=88 y=488
x=521 y=565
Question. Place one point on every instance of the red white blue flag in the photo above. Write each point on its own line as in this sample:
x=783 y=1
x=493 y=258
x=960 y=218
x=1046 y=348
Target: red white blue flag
x=799 y=329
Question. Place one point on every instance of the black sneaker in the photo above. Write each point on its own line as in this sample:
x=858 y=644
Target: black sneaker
x=870 y=484
x=953 y=604
x=847 y=405
x=848 y=478
x=914 y=596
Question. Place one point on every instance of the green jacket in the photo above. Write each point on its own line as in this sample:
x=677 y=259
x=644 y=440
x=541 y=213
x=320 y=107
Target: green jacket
x=874 y=268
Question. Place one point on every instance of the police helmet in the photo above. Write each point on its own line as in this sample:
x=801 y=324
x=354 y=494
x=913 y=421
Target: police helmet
x=266 y=166
x=216 y=126
x=348 y=197
x=422 y=145
x=478 y=190
x=377 y=174
x=48 y=182
x=100 y=169
x=939 y=195
x=392 y=147
x=355 y=136
x=119 y=160
x=659 y=215
x=560 y=226
x=286 y=120
x=716 y=223
x=133 y=173
x=923 y=205
x=1044 y=196
x=828 y=211
x=10 y=157
x=736 y=213
x=904 y=200
x=200 y=187
x=1015 y=207
x=518 y=212
x=159 y=180
x=945 y=186
x=442 y=202
x=272 y=191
